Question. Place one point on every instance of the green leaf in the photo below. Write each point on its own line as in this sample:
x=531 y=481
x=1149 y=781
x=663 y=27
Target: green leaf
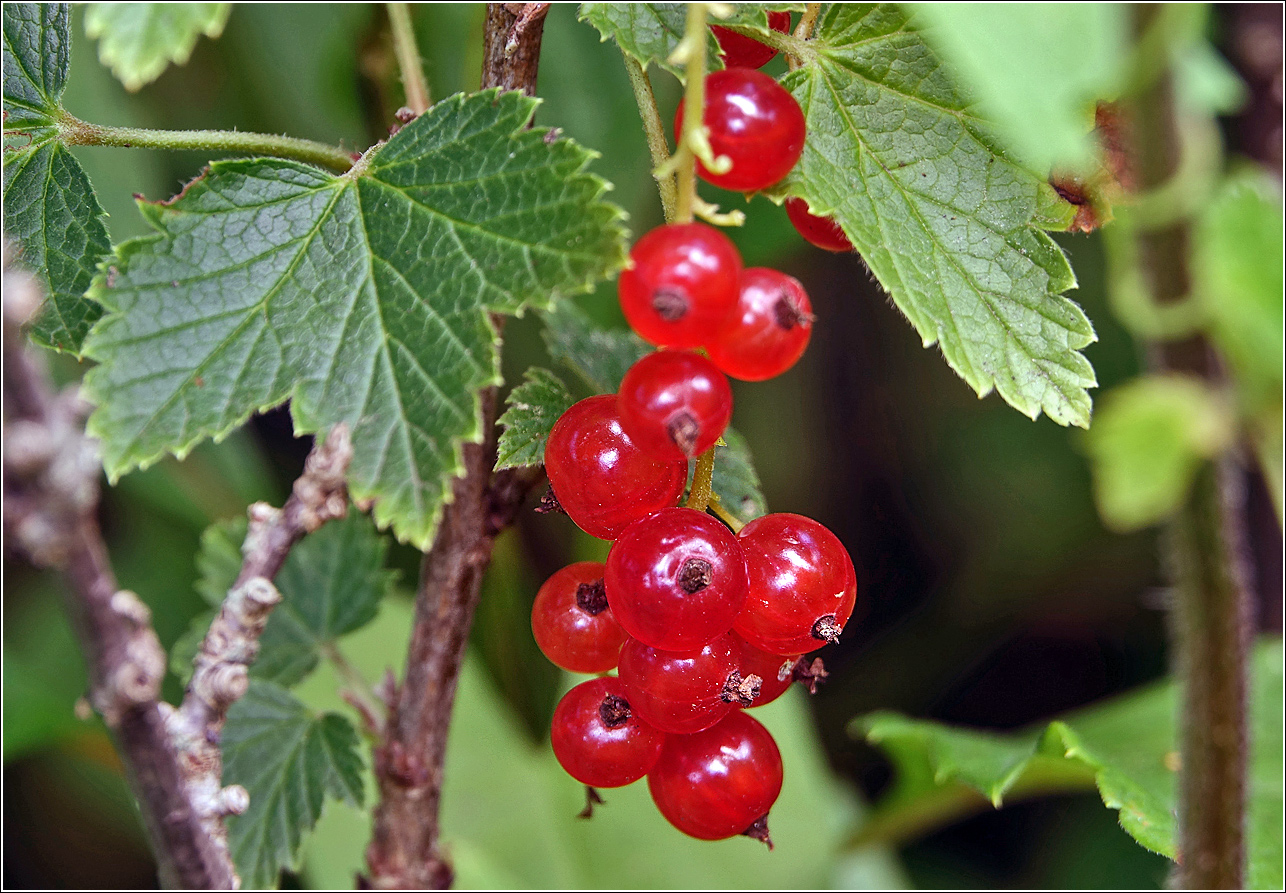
x=138 y=40
x=1126 y=747
x=650 y=31
x=362 y=298
x=331 y=584
x=37 y=55
x=601 y=357
x=1035 y=70
x=1238 y=269
x=291 y=760
x=51 y=210
x=1149 y=439
x=942 y=218
x=534 y=407
x=735 y=481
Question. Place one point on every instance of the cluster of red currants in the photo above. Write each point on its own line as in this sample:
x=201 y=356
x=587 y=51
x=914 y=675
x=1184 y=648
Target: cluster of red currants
x=697 y=621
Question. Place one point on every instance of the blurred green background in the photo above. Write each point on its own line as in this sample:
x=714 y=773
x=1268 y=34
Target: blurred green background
x=990 y=594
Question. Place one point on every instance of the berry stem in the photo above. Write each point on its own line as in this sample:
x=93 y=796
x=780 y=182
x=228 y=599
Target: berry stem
x=408 y=58
x=75 y=132
x=655 y=131
x=693 y=47
x=727 y=517
x=702 y=482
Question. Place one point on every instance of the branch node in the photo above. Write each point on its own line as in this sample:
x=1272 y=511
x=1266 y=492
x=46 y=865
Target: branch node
x=233 y=800
x=130 y=607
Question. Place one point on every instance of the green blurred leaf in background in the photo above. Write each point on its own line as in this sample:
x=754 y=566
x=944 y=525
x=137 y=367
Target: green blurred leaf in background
x=137 y=41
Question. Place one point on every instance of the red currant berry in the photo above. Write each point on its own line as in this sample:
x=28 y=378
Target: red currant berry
x=823 y=232
x=774 y=671
x=685 y=692
x=674 y=404
x=746 y=52
x=597 y=738
x=720 y=782
x=572 y=623
x=753 y=122
x=676 y=580
x=802 y=584
x=602 y=480
x=680 y=284
x=768 y=331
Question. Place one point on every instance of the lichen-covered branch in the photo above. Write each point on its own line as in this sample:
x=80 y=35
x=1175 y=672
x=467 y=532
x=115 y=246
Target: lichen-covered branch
x=51 y=495
x=221 y=668
x=404 y=851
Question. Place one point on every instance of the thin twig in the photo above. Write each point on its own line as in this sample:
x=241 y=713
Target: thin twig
x=404 y=851
x=655 y=131
x=408 y=58
x=51 y=497
x=221 y=668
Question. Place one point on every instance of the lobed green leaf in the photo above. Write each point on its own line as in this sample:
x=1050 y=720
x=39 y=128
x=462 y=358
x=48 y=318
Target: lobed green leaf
x=534 y=407
x=945 y=221
x=1126 y=747
x=735 y=480
x=37 y=56
x=290 y=760
x=649 y=32
x=600 y=357
x=137 y=41
x=51 y=210
x=362 y=298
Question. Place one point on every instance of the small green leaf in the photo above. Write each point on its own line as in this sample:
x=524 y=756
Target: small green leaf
x=735 y=481
x=534 y=407
x=331 y=584
x=37 y=55
x=942 y=218
x=362 y=298
x=1035 y=70
x=290 y=760
x=138 y=40
x=649 y=32
x=601 y=357
x=1127 y=747
x=1147 y=443
x=51 y=210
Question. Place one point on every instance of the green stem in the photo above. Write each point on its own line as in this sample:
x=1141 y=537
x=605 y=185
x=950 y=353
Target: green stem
x=702 y=482
x=408 y=58
x=693 y=107
x=655 y=131
x=368 y=703
x=716 y=506
x=803 y=32
x=74 y=132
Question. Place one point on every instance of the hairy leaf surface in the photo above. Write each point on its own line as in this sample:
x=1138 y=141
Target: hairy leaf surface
x=362 y=298
x=945 y=221
x=290 y=760
x=37 y=55
x=534 y=407
x=51 y=210
x=599 y=356
x=138 y=40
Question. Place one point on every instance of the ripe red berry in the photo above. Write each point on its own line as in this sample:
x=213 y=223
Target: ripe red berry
x=755 y=123
x=572 y=622
x=746 y=52
x=676 y=580
x=602 y=480
x=674 y=404
x=776 y=672
x=802 y=584
x=680 y=284
x=823 y=232
x=720 y=782
x=685 y=692
x=768 y=331
x=597 y=738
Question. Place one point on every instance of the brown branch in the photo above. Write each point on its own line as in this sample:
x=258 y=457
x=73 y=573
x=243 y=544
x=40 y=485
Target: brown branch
x=221 y=667
x=51 y=495
x=404 y=850
x=1210 y=621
